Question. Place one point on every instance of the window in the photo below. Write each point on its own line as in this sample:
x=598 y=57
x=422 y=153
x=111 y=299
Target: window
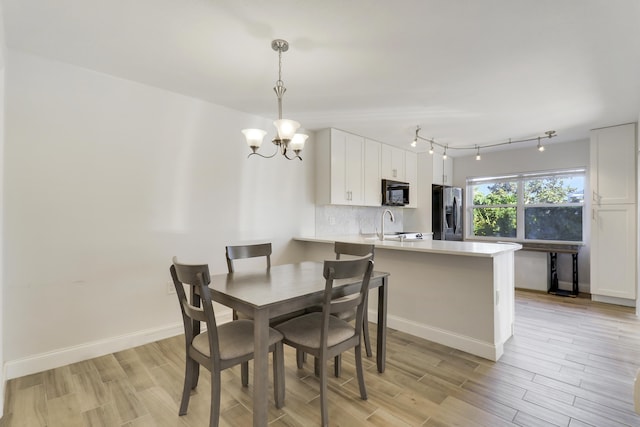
x=545 y=206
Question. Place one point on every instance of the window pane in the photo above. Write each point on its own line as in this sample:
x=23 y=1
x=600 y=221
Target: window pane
x=556 y=189
x=494 y=222
x=497 y=193
x=561 y=223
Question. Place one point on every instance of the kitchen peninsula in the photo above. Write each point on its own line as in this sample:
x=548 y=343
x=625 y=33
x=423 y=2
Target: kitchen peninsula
x=459 y=294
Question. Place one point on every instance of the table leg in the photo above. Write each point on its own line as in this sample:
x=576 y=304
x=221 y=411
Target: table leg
x=381 y=348
x=260 y=367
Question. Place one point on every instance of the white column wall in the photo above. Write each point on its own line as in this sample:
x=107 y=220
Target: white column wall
x=106 y=180
x=2 y=132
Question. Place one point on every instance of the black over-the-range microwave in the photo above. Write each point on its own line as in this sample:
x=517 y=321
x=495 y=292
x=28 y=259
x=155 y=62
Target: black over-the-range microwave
x=395 y=193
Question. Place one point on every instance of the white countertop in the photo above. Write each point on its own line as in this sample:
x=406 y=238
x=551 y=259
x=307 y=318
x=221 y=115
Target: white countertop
x=479 y=249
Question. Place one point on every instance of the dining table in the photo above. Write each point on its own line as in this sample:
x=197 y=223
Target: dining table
x=282 y=289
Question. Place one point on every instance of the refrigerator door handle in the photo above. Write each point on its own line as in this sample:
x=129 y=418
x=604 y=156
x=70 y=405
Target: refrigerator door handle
x=455 y=215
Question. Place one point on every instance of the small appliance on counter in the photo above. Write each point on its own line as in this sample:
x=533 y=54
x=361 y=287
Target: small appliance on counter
x=446 y=213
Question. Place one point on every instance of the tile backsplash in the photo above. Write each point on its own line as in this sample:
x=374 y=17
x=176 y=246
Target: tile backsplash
x=334 y=220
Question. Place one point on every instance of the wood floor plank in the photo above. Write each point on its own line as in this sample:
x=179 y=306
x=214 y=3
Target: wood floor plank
x=571 y=363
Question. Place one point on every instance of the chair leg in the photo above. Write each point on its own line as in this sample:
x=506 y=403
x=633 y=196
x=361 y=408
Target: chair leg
x=323 y=393
x=244 y=373
x=214 y=416
x=360 y=372
x=196 y=375
x=188 y=380
x=300 y=358
x=278 y=375
x=316 y=366
x=337 y=365
x=365 y=331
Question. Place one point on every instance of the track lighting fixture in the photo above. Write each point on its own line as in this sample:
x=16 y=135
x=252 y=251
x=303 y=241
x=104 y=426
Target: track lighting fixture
x=548 y=134
x=415 y=140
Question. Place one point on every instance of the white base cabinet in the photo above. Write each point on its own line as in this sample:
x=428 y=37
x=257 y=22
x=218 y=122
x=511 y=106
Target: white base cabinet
x=613 y=251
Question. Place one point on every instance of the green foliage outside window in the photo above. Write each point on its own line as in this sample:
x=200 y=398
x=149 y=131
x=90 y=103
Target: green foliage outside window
x=552 y=207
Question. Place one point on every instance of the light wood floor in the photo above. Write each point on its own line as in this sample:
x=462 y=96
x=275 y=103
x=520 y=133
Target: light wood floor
x=570 y=363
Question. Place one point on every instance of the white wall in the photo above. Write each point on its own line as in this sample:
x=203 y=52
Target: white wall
x=106 y=180
x=2 y=131
x=555 y=156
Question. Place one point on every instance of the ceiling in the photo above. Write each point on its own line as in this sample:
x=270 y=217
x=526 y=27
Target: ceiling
x=467 y=71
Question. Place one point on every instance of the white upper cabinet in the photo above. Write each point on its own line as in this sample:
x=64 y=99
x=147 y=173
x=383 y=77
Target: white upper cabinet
x=340 y=168
x=349 y=169
x=442 y=170
x=613 y=165
x=411 y=176
x=392 y=163
x=372 y=179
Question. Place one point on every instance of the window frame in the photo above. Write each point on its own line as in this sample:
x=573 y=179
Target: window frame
x=520 y=179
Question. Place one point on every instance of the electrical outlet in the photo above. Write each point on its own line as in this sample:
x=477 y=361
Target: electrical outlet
x=170 y=288
x=332 y=220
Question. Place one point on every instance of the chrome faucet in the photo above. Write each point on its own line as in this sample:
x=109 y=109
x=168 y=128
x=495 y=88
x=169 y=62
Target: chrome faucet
x=382 y=221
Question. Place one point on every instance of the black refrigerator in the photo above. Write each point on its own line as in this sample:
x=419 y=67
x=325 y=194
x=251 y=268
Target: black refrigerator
x=447 y=213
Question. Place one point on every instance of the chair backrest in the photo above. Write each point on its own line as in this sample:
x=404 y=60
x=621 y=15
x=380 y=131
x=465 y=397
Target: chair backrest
x=248 y=251
x=354 y=249
x=199 y=308
x=351 y=297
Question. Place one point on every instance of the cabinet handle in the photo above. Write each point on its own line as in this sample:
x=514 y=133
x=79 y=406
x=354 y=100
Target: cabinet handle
x=597 y=198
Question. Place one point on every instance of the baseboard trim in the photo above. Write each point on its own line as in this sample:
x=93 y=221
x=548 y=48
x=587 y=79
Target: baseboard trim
x=613 y=300
x=464 y=343
x=3 y=389
x=65 y=356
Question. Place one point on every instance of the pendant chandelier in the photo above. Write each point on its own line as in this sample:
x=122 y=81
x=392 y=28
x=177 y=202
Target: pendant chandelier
x=286 y=139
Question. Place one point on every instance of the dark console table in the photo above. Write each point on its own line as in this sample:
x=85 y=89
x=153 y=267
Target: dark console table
x=553 y=250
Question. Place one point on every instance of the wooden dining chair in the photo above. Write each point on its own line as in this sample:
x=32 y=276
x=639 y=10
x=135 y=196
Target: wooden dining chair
x=248 y=251
x=357 y=250
x=244 y=252
x=323 y=335
x=239 y=252
x=219 y=347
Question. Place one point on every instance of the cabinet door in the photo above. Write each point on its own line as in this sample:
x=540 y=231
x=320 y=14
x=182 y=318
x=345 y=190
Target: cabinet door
x=438 y=169
x=339 y=192
x=392 y=163
x=447 y=174
x=613 y=165
x=613 y=251
x=372 y=180
x=354 y=155
x=411 y=176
